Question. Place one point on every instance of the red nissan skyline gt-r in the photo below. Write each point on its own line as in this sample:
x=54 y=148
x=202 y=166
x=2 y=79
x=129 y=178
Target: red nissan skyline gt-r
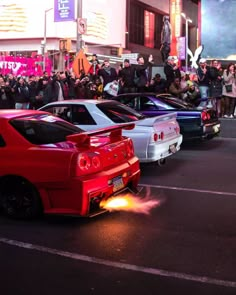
x=51 y=166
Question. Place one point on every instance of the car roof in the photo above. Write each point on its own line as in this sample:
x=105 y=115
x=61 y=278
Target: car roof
x=86 y=101
x=136 y=93
x=153 y=95
x=13 y=113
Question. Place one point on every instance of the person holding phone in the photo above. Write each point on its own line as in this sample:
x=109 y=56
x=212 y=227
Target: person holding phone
x=203 y=80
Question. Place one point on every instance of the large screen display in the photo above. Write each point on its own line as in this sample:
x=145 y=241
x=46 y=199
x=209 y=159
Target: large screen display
x=21 y=19
x=218 y=28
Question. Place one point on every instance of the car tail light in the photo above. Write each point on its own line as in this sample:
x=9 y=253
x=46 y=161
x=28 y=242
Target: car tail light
x=130 y=148
x=161 y=135
x=88 y=162
x=157 y=136
x=177 y=129
x=205 y=116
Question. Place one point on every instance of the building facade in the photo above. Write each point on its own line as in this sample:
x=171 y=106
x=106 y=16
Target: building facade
x=113 y=28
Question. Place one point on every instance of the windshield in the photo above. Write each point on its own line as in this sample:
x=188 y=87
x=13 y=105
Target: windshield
x=119 y=113
x=44 y=128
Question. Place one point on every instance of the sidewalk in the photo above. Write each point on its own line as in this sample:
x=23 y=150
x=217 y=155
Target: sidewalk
x=228 y=128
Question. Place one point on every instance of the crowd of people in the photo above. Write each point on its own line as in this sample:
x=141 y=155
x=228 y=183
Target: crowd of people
x=210 y=85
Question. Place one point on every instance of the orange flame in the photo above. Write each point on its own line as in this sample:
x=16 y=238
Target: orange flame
x=130 y=203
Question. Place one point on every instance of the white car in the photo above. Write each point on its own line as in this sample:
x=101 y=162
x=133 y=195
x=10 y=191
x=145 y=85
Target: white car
x=154 y=138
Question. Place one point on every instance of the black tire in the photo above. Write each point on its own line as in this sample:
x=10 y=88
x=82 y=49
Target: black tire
x=19 y=199
x=161 y=162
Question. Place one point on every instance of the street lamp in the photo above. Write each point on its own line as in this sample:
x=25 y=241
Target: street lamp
x=187 y=20
x=45 y=37
x=78 y=35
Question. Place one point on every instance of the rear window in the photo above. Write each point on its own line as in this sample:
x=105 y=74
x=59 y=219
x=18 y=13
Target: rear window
x=43 y=129
x=176 y=104
x=173 y=102
x=119 y=113
x=76 y=114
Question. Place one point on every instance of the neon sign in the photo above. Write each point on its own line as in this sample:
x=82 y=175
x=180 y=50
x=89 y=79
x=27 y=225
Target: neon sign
x=175 y=20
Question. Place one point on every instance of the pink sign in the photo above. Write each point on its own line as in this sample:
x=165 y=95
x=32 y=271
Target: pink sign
x=25 y=66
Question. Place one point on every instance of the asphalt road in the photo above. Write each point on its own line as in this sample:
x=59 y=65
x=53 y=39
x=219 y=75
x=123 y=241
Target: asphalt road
x=186 y=245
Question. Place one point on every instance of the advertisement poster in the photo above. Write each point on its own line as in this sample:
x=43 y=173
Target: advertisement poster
x=64 y=10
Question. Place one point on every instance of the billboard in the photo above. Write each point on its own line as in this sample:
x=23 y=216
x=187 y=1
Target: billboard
x=20 y=19
x=64 y=10
x=218 y=32
x=106 y=21
x=149 y=22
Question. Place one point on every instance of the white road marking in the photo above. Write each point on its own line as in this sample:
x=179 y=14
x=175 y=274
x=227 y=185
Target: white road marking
x=189 y=189
x=124 y=266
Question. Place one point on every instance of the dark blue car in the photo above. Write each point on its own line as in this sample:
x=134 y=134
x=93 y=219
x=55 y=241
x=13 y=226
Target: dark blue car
x=195 y=123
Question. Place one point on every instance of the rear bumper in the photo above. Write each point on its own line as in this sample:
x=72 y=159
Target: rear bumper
x=81 y=196
x=203 y=132
x=161 y=150
x=211 y=130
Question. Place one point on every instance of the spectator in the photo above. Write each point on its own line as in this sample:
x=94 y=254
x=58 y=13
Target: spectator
x=12 y=80
x=216 y=85
x=44 y=92
x=94 y=68
x=71 y=84
x=143 y=73
x=158 y=84
x=58 y=87
x=203 y=76
x=63 y=80
x=45 y=75
x=176 y=90
x=33 y=85
x=108 y=74
x=81 y=87
x=193 y=95
x=6 y=95
x=126 y=75
x=95 y=89
x=22 y=94
x=171 y=70
x=229 y=91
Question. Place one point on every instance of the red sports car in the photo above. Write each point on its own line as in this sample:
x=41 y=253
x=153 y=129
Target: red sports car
x=51 y=166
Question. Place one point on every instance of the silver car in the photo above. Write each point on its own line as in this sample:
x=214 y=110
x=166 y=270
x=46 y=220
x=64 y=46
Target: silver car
x=154 y=138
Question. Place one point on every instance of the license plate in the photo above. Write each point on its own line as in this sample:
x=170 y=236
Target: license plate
x=216 y=128
x=172 y=148
x=117 y=183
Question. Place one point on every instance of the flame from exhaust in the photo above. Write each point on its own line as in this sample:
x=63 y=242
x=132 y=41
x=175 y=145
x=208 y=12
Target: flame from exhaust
x=131 y=203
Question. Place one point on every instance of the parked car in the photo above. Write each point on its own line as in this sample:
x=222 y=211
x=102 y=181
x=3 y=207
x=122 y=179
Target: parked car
x=195 y=123
x=51 y=166
x=154 y=139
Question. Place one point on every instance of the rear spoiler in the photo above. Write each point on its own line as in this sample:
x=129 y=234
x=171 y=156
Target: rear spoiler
x=115 y=133
x=150 y=121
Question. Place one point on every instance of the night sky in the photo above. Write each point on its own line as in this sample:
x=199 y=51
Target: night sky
x=218 y=28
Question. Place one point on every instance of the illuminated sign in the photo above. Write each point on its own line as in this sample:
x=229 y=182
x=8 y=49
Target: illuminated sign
x=24 y=66
x=149 y=21
x=181 y=44
x=64 y=10
x=175 y=20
